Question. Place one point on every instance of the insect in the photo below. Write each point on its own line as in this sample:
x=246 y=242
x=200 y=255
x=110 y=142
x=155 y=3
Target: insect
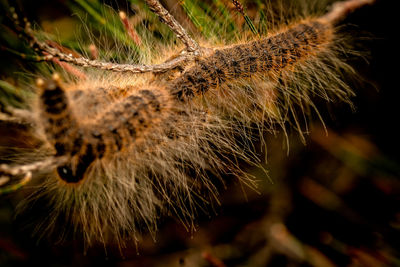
x=119 y=151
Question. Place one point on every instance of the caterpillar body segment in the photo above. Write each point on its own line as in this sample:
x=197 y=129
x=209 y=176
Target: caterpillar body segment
x=128 y=120
x=268 y=57
x=113 y=131
x=61 y=126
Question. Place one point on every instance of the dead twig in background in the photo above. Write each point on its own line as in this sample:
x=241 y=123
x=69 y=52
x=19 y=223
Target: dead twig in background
x=341 y=9
x=130 y=30
x=24 y=169
x=7 y=171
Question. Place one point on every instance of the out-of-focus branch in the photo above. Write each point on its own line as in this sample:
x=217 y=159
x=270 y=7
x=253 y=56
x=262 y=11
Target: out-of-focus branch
x=7 y=171
x=19 y=116
x=340 y=10
x=176 y=9
x=129 y=29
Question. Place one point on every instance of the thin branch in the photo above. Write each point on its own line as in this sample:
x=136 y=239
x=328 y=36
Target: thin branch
x=340 y=10
x=70 y=69
x=239 y=8
x=129 y=29
x=174 y=25
x=18 y=116
x=34 y=58
x=51 y=52
x=13 y=187
x=7 y=171
x=84 y=62
x=4 y=180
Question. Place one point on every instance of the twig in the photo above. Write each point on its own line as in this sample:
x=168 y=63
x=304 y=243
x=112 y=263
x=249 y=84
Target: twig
x=14 y=187
x=341 y=9
x=52 y=52
x=94 y=52
x=130 y=30
x=15 y=115
x=34 y=58
x=6 y=170
x=212 y=260
x=4 y=180
x=12 y=119
x=174 y=25
x=239 y=8
x=70 y=69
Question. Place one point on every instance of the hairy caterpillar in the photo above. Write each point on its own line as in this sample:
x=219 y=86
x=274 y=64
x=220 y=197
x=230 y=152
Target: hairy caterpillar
x=130 y=148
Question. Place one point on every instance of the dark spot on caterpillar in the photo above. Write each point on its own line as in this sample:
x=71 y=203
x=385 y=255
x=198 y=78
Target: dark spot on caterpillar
x=266 y=60
x=284 y=53
x=190 y=78
x=200 y=82
x=117 y=138
x=253 y=64
x=57 y=108
x=220 y=66
x=235 y=67
x=134 y=100
x=77 y=94
x=60 y=148
x=53 y=100
x=59 y=133
x=59 y=122
x=247 y=62
x=67 y=174
x=77 y=144
x=52 y=90
x=153 y=99
x=204 y=66
x=184 y=92
x=131 y=129
x=100 y=147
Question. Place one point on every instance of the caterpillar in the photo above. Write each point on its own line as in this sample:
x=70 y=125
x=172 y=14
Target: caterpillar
x=122 y=150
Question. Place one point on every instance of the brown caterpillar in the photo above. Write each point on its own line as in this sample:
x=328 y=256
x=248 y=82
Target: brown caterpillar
x=266 y=57
x=117 y=128
x=134 y=147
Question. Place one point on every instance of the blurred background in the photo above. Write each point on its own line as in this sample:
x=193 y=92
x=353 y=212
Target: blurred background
x=333 y=201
